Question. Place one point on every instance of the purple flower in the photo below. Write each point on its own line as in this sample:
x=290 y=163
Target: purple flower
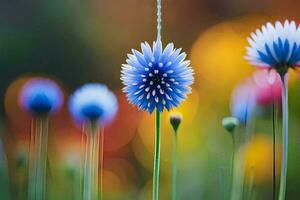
x=93 y=103
x=41 y=96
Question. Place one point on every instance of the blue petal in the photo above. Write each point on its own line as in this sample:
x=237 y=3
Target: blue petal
x=140 y=57
x=157 y=50
x=146 y=49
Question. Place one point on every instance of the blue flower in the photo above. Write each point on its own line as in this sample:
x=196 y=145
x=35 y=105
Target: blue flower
x=93 y=103
x=41 y=96
x=276 y=46
x=157 y=78
x=243 y=101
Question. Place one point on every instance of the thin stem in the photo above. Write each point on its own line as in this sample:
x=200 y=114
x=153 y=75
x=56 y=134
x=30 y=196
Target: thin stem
x=274 y=114
x=239 y=162
x=42 y=152
x=101 y=162
x=158 y=19
x=232 y=161
x=174 y=168
x=156 y=157
x=96 y=163
x=285 y=133
x=87 y=187
x=32 y=161
x=82 y=164
x=90 y=187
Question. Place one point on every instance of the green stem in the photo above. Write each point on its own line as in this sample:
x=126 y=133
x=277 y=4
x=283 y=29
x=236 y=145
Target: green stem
x=32 y=161
x=101 y=162
x=87 y=187
x=239 y=163
x=156 y=157
x=232 y=161
x=82 y=164
x=41 y=159
x=96 y=163
x=174 y=167
x=285 y=133
x=90 y=186
x=274 y=122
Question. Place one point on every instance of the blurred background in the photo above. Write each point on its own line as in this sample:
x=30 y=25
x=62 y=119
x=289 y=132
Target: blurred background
x=75 y=42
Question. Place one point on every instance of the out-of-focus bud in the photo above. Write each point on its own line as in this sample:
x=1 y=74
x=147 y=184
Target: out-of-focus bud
x=230 y=123
x=175 y=120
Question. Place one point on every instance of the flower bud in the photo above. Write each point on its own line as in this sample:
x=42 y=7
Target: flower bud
x=230 y=123
x=175 y=120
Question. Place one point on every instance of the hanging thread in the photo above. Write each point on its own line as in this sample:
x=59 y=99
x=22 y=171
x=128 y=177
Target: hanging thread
x=158 y=19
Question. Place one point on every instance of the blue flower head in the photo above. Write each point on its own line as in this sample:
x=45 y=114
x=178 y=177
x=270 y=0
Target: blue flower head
x=157 y=78
x=243 y=101
x=41 y=96
x=276 y=46
x=93 y=103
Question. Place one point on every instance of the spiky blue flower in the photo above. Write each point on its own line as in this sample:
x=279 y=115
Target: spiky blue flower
x=41 y=96
x=276 y=46
x=93 y=102
x=157 y=78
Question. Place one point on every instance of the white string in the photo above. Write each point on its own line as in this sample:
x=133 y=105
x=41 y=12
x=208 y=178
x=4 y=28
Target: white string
x=158 y=19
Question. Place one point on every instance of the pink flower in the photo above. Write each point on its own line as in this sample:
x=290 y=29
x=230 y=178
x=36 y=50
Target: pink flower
x=268 y=87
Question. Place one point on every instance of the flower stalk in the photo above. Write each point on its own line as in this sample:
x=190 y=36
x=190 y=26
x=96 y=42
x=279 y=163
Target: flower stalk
x=174 y=166
x=101 y=162
x=274 y=123
x=38 y=159
x=90 y=186
x=175 y=120
x=282 y=189
x=156 y=157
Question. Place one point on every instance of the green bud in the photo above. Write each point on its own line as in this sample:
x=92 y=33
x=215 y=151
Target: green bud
x=230 y=123
x=175 y=120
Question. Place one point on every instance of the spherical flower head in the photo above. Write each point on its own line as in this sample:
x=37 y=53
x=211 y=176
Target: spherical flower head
x=157 y=78
x=41 y=96
x=230 y=124
x=275 y=46
x=93 y=103
x=268 y=87
x=175 y=120
x=243 y=101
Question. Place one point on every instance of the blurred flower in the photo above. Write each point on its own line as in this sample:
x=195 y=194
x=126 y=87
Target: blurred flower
x=276 y=46
x=218 y=54
x=243 y=101
x=175 y=120
x=93 y=102
x=230 y=123
x=268 y=87
x=157 y=78
x=40 y=96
